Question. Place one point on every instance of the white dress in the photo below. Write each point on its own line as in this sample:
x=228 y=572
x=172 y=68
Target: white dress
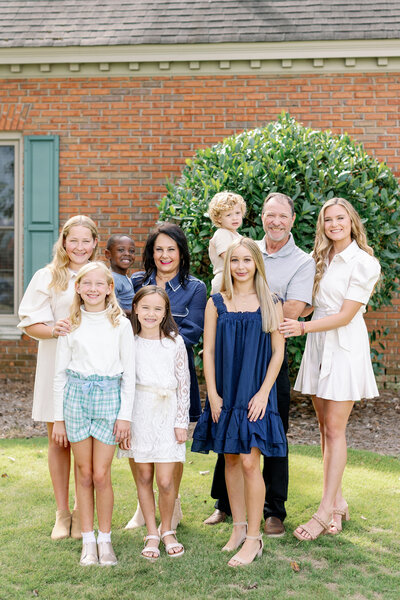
x=336 y=364
x=162 y=399
x=43 y=305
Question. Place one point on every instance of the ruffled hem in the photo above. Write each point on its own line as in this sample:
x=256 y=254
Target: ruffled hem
x=235 y=434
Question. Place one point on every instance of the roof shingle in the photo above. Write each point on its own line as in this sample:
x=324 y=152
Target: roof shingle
x=105 y=22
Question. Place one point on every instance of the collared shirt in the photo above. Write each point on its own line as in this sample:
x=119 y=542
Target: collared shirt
x=188 y=303
x=123 y=290
x=290 y=271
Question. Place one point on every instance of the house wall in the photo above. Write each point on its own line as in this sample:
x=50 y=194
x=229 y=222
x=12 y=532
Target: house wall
x=121 y=137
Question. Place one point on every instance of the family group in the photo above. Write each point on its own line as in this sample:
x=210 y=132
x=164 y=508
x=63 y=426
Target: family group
x=115 y=366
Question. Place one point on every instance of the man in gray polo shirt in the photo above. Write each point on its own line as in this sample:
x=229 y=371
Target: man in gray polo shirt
x=290 y=274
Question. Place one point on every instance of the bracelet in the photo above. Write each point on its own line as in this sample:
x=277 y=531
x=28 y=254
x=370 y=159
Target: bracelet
x=303 y=327
x=52 y=333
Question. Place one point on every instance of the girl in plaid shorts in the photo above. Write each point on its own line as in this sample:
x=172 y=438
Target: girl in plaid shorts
x=93 y=399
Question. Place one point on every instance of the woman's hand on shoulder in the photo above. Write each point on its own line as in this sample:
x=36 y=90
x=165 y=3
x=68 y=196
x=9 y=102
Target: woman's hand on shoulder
x=180 y=435
x=122 y=432
x=62 y=327
x=215 y=406
x=59 y=434
x=291 y=328
x=257 y=406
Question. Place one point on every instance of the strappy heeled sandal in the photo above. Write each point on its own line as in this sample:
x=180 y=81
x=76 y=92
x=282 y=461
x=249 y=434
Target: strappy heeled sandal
x=227 y=548
x=313 y=536
x=154 y=549
x=241 y=562
x=172 y=545
x=344 y=513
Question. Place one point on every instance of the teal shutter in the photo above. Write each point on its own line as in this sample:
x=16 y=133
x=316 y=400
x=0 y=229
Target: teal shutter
x=40 y=201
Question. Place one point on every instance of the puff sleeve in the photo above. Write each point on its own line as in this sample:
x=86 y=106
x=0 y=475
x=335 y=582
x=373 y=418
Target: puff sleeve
x=35 y=305
x=364 y=276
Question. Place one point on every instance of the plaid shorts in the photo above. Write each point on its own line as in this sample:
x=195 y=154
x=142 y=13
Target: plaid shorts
x=91 y=406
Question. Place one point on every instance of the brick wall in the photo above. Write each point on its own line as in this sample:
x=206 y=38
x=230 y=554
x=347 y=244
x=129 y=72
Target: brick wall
x=121 y=137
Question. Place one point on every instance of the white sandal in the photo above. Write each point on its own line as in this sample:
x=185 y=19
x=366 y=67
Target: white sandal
x=169 y=547
x=154 y=549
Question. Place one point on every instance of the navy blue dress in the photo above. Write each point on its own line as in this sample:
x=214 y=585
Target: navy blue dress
x=242 y=355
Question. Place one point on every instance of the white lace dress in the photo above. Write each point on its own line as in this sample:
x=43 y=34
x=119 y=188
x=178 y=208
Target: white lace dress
x=162 y=400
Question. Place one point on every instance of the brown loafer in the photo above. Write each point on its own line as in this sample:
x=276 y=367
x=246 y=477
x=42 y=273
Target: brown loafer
x=274 y=527
x=218 y=516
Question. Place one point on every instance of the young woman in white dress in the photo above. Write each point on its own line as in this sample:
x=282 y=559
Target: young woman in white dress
x=160 y=416
x=44 y=311
x=336 y=368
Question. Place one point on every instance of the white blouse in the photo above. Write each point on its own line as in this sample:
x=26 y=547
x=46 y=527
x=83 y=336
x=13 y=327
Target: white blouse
x=97 y=348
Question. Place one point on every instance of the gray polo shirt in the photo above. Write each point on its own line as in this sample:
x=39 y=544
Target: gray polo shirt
x=290 y=271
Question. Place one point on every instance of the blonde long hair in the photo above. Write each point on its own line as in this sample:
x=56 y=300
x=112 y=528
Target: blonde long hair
x=114 y=312
x=59 y=264
x=269 y=314
x=323 y=244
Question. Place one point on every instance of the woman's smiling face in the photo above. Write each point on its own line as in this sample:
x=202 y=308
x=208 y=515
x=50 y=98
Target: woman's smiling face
x=166 y=255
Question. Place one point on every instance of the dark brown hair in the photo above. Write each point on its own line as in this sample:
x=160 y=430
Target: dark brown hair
x=176 y=233
x=168 y=327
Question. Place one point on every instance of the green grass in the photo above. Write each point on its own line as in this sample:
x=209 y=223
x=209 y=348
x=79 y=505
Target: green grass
x=362 y=562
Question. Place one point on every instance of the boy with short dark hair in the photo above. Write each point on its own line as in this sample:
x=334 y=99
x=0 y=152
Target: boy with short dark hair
x=120 y=252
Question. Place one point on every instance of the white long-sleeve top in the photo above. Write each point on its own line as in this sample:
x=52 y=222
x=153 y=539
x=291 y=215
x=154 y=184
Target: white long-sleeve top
x=97 y=348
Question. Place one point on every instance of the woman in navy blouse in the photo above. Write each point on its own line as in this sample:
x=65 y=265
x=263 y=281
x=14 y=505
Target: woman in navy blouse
x=167 y=264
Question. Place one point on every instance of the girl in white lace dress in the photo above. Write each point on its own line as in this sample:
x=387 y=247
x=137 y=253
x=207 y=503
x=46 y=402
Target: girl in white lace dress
x=160 y=415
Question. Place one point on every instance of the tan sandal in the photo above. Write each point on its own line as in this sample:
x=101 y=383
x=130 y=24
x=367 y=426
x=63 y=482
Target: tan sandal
x=342 y=512
x=325 y=528
x=241 y=562
x=227 y=548
x=154 y=549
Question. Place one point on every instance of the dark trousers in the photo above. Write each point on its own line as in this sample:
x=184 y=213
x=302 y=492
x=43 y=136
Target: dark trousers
x=275 y=471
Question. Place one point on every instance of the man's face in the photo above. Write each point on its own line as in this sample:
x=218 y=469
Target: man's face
x=277 y=220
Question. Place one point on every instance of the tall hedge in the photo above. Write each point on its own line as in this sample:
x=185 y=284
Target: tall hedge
x=308 y=165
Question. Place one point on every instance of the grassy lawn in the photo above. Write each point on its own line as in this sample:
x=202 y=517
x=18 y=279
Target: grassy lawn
x=362 y=562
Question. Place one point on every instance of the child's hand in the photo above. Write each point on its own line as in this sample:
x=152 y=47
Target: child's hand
x=257 y=406
x=62 y=327
x=125 y=444
x=122 y=431
x=59 y=434
x=216 y=407
x=180 y=435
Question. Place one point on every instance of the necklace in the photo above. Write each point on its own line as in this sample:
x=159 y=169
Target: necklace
x=243 y=301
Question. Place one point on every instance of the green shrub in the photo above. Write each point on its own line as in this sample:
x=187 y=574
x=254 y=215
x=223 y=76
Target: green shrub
x=311 y=167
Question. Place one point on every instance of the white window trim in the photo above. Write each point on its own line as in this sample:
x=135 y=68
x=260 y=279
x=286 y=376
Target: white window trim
x=8 y=323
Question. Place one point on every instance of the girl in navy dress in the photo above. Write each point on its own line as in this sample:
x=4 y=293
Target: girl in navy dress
x=243 y=352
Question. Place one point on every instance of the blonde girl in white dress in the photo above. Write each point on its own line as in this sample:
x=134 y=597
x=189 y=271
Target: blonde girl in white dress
x=44 y=311
x=160 y=415
x=336 y=368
